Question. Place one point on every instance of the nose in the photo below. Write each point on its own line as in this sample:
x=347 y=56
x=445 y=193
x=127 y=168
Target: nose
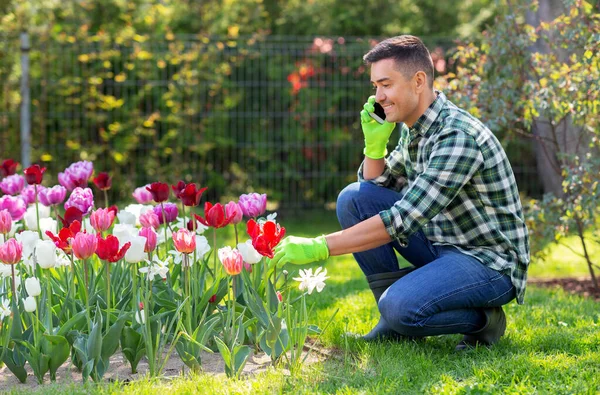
x=379 y=95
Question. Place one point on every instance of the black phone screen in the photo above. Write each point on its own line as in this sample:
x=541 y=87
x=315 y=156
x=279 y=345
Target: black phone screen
x=379 y=111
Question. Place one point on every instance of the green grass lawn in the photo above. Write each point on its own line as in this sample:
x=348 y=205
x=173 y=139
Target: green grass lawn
x=552 y=345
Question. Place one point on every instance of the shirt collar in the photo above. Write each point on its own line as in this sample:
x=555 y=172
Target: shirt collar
x=426 y=120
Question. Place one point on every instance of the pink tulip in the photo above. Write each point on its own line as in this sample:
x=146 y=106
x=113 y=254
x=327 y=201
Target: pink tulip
x=102 y=219
x=185 y=241
x=149 y=220
x=142 y=195
x=12 y=185
x=15 y=205
x=5 y=222
x=53 y=196
x=233 y=210
x=84 y=245
x=76 y=175
x=253 y=204
x=82 y=199
x=151 y=238
x=171 y=212
x=232 y=260
x=28 y=193
x=11 y=252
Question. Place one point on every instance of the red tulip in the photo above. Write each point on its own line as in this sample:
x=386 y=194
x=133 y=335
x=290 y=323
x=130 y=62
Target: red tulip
x=34 y=174
x=159 y=191
x=265 y=236
x=215 y=216
x=190 y=196
x=103 y=181
x=72 y=214
x=65 y=236
x=108 y=249
x=8 y=167
x=178 y=188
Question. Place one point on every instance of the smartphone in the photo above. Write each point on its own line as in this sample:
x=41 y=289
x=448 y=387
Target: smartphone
x=378 y=114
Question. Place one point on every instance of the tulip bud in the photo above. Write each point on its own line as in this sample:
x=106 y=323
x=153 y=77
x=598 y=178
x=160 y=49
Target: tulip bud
x=32 y=285
x=45 y=254
x=29 y=304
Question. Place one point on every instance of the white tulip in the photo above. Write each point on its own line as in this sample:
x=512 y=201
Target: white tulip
x=87 y=226
x=124 y=232
x=136 y=253
x=45 y=254
x=202 y=247
x=140 y=317
x=29 y=304
x=125 y=217
x=48 y=224
x=29 y=239
x=32 y=285
x=249 y=253
x=137 y=210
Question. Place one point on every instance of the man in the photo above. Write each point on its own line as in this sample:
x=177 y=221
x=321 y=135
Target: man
x=445 y=199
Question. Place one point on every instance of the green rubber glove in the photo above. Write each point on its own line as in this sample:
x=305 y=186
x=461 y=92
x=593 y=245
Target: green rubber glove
x=301 y=250
x=376 y=134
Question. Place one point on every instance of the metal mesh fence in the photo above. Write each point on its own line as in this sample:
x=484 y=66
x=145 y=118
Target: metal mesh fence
x=276 y=115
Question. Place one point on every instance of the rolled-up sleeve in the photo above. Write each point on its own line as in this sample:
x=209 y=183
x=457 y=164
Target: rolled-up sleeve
x=454 y=159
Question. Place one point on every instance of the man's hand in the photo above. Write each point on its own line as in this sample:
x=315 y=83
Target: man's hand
x=301 y=250
x=376 y=135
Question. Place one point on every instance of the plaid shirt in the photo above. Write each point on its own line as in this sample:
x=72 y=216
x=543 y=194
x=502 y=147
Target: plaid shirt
x=459 y=188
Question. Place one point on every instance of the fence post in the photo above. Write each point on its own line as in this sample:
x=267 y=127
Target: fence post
x=25 y=103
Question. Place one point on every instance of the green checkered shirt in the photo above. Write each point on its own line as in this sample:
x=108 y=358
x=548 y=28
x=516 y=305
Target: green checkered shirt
x=459 y=189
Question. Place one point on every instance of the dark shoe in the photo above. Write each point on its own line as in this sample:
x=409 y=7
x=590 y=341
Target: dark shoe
x=491 y=332
x=378 y=284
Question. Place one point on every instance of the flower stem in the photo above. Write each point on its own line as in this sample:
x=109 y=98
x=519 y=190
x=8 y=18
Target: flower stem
x=134 y=290
x=215 y=249
x=164 y=215
x=49 y=304
x=13 y=284
x=233 y=340
x=107 y=296
x=37 y=211
x=105 y=198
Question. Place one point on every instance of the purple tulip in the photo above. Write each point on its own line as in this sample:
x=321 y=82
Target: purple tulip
x=82 y=199
x=142 y=195
x=253 y=204
x=12 y=185
x=28 y=193
x=15 y=205
x=232 y=209
x=76 y=175
x=53 y=196
x=171 y=212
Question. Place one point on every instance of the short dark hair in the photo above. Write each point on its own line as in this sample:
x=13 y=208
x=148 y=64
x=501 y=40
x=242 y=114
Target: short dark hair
x=407 y=51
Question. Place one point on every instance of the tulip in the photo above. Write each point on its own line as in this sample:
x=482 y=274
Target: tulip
x=159 y=191
x=64 y=238
x=32 y=285
x=76 y=175
x=190 y=196
x=202 y=247
x=108 y=249
x=150 y=220
x=265 y=236
x=253 y=204
x=136 y=252
x=11 y=252
x=126 y=218
x=82 y=199
x=249 y=253
x=84 y=245
x=12 y=185
x=47 y=225
x=178 y=188
x=31 y=216
x=102 y=219
x=103 y=181
x=170 y=209
x=5 y=222
x=184 y=240
x=71 y=215
x=151 y=239
x=232 y=260
x=8 y=167
x=34 y=174
x=52 y=196
x=124 y=232
x=215 y=216
x=45 y=254
x=233 y=211
x=28 y=193
x=142 y=195
x=28 y=240
x=29 y=304
x=15 y=205
x=140 y=317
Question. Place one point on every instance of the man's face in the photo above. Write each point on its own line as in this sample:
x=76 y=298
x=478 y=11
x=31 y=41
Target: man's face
x=396 y=94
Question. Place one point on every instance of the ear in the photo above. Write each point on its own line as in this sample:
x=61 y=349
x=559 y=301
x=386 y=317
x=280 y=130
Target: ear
x=420 y=81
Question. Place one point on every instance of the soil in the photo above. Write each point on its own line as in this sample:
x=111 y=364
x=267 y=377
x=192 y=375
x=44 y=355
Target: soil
x=120 y=369
x=574 y=285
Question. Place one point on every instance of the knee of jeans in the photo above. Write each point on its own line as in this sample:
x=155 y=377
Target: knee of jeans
x=401 y=315
x=346 y=204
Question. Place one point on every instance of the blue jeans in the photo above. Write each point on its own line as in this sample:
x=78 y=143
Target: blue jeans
x=448 y=290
